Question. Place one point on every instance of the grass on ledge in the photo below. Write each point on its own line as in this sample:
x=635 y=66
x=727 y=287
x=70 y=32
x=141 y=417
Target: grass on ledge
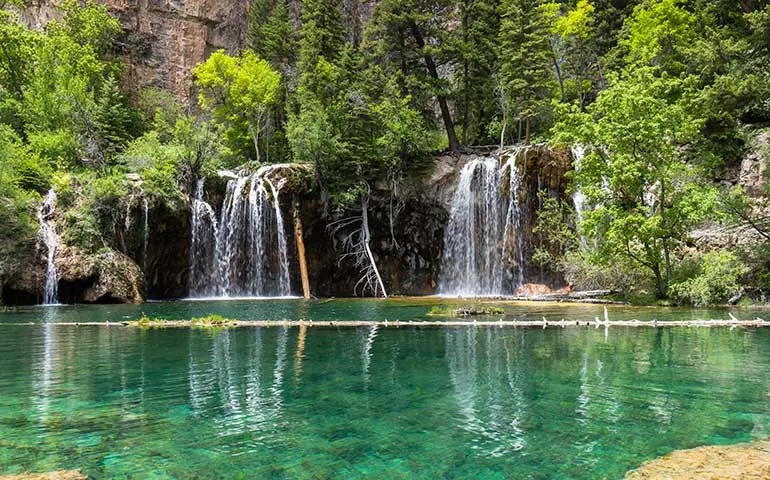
x=473 y=310
x=210 y=321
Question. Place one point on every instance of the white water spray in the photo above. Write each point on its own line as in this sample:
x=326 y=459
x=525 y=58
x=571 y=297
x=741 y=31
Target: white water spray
x=243 y=252
x=49 y=238
x=483 y=243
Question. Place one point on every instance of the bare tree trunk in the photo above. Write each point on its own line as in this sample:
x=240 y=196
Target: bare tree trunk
x=356 y=242
x=446 y=115
x=299 y=238
x=365 y=232
x=529 y=123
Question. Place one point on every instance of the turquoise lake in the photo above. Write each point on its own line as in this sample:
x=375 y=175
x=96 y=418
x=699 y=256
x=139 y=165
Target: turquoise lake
x=412 y=403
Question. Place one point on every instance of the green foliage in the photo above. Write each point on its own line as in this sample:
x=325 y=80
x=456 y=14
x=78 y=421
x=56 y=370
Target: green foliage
x=526 y=74
x=660 y=32
x=554 y=231
x=240 y=92
x=270 y=33
x=716 y=278
x=97 y=212
x=647 y=198
x=16 y=199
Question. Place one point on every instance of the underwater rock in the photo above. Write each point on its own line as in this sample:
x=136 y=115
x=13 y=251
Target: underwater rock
x=748 y=461
x=58 y=475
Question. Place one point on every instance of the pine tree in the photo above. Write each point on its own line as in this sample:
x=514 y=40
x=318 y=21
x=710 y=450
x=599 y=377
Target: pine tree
x=270 y=33
x=474 y=48
x=113 y=119
x=526 y=60
x=322 y=33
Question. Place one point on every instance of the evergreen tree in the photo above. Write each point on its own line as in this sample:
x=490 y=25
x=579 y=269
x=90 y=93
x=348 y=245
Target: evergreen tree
x=113 y=118
x=270 y=33
x=526 y=62
x=322 y=33
x=475 y=56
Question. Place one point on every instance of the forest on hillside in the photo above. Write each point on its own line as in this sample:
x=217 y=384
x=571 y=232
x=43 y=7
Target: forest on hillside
x=659 y=97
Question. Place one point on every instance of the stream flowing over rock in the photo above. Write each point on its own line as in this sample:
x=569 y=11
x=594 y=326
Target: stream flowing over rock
x=50 y=241
x=465 y=229
x=243 y=252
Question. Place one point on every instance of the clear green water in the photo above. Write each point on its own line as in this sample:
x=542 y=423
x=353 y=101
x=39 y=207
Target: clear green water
x=362 y=403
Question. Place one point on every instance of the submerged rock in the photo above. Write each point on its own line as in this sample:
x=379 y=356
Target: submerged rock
x=745 y=461
x=58 y=475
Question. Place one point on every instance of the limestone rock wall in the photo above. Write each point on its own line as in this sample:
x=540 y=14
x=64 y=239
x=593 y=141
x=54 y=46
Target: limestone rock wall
x=162 y=40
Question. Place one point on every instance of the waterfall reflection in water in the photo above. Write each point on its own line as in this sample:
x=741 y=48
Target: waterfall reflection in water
x=511 y=402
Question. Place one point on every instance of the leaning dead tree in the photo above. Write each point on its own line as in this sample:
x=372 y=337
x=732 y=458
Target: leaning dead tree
x=355 y=243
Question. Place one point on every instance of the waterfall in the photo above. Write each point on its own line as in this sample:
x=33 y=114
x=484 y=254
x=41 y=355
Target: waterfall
x=145 y=233
x=243 y=252
x=51 y=241
x=483 y=246
x=578 y=197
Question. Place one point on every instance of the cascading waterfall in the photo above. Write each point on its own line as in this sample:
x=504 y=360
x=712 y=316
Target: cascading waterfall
x=51 y=241
x=146 y=232
x=483 y=245
x=578 y=197
x=244 y=251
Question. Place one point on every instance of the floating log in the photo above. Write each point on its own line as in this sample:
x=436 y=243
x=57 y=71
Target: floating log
x=732 y=323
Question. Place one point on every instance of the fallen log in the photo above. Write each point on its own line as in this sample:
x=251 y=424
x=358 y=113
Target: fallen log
x=544 y=323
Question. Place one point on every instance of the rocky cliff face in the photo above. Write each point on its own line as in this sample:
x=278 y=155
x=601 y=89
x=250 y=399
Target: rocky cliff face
x=162 y=40
x=104 y=277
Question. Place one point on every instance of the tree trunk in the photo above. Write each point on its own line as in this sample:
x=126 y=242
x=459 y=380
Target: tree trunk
x=365 y=233
x=529 y=124
x=559 y=78
x=301 y=253
x=660 y=282
x=502 y=132
x=446 y=115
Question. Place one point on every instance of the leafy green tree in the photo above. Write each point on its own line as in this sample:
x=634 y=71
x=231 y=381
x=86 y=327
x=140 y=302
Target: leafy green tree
x=660 y=33
x=648 y=195
x=240 y=92
x=578 y=61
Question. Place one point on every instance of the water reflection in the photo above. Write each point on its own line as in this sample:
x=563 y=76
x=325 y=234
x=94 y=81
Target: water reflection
x=258 y=401
x=485 y=368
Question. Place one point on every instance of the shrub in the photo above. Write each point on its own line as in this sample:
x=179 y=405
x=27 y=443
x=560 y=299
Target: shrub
x=717 y=278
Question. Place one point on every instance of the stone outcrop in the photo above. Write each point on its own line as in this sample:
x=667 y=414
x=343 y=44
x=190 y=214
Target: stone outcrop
x=754 y=165
x=105 y=277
